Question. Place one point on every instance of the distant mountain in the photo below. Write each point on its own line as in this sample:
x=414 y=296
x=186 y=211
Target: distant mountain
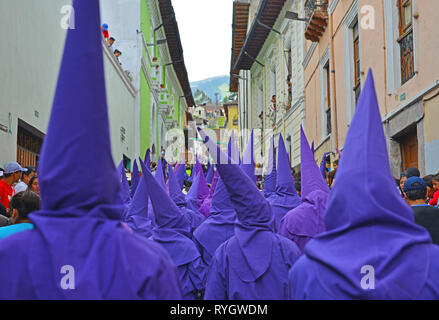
x=204 y=90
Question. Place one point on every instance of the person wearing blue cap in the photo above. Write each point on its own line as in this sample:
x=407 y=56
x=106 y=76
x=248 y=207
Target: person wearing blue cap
x=105 y=32
x=11 y=175
x=415 y=193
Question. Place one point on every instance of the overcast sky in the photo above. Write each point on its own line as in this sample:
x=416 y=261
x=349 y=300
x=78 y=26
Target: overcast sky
x=206 y=35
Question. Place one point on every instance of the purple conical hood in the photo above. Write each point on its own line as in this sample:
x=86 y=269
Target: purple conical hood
x=137 y=216
x=312 y=147
x=209 y=176
x=270 y=178
x=221 y=222
x=255 y=220
x=203 y=189
x=285 y=198
x=198 y=167
x=125 y=187
x=159 y=176
x=306 y=220
x=284 y=178
x=214 y=183
x=312 y=179
x=221 y=201
x=79 y=111
x=248 y=161
x=192 y=195
x=368 y=222
x=175 y=190
x=167 y=214
x=180 y=175
x=134 y=179
x=172 y=229
x=148 y=158
x=78 y=226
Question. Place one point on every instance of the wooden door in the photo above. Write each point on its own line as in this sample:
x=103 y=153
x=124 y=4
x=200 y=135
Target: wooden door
x=409 y=150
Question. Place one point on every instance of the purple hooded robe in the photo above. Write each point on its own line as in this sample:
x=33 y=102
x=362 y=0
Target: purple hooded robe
x=172 y=231
x=220 y=225
x=306 y=221
x=79 y=249
x=285 y=198
x=372 y=248
x=137 y=217
x=194 y=218
x=253 y=264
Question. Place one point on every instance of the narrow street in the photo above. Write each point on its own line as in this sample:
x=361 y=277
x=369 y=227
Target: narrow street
x=189 y=150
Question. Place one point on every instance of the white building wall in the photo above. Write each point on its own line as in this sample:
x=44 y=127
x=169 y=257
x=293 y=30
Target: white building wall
x=273 y=56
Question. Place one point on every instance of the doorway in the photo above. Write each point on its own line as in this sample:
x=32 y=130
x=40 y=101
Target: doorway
x=409 y=149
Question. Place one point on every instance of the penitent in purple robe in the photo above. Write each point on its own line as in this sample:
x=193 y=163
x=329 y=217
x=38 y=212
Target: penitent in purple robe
x=137 y=216
x=194 y=218
x=79 y=249
x=372 y=248
x=306 y=221
x=172 y=232
x=220 y=225
x=253 y=264
x=285 y=197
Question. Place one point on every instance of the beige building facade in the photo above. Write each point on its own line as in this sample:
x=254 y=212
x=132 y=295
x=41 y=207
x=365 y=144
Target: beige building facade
x=394 y=38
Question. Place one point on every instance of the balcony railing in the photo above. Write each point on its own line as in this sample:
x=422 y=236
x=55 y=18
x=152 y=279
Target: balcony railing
x=316 y=12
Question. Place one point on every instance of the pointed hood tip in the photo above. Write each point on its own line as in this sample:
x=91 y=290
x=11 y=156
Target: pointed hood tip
x=312 y=179
x=167 y=214
x=284 y=177
x=79 y=110
x=175 y=190
x=249 y=204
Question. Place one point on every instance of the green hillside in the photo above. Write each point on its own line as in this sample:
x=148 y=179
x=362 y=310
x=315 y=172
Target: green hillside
x=204 y=90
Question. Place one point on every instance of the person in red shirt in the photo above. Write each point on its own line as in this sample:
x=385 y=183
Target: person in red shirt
x=12 y=174
x=105 y=32
x=434 y=201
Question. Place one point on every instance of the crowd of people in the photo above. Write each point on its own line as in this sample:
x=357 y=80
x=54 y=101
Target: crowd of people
x=110 y=40
x=91 y=234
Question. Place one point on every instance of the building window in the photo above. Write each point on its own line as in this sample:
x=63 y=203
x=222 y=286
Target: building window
x=356 y=56
x=406 y=40
x=328 y=99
